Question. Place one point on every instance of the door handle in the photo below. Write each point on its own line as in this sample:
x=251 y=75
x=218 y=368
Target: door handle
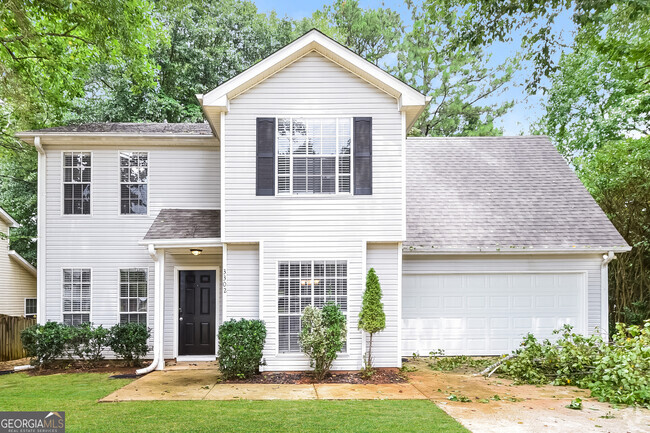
x=180 y=319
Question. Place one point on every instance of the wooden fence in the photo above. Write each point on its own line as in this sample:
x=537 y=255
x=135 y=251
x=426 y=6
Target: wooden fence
x=10 y=328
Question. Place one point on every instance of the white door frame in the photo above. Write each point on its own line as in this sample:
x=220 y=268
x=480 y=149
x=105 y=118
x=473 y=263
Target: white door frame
x=217 y=298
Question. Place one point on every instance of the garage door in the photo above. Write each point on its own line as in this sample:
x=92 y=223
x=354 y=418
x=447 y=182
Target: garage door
x=487 y=314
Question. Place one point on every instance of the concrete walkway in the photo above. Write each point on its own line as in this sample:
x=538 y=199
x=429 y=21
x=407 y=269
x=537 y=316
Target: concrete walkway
x=202 y=384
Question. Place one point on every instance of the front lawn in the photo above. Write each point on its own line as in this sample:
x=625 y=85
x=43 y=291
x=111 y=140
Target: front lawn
x=77 y=395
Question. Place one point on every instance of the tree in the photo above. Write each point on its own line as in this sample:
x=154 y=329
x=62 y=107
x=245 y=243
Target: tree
x=617 y=29
x=209 y=42
x=616 y=174
x=372 y=318
x=431 y=59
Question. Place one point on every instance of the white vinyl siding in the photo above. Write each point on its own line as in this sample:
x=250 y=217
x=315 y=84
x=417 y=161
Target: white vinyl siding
x=77 y=183
x=134 y=294
x=134 y=188
x=243 y=282
x=384 y=258
x=313 y=155
x=313 y=86
x=76 y=295
x=184 y=177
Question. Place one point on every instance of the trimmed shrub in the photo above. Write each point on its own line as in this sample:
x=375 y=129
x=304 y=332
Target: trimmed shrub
x=129 y=342
x=322 y=336
x=87 y=342
x=240 y=347
x=45 y=343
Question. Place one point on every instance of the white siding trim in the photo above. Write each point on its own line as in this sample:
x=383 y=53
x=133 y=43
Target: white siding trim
x=217 y=319
x=399 y=305
x=224 y=281
x=222 y=173
x=260 y=248
x=364 y=270
x=403 y=162
x=41 y=220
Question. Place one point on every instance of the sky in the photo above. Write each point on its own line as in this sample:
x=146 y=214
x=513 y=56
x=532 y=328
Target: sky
x=527 y=108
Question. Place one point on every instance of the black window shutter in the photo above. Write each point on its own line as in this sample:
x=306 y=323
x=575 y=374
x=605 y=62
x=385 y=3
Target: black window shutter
x=363 y=156
x=265 y=165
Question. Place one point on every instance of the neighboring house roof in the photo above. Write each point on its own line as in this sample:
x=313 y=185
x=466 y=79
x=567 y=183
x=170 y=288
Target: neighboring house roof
x=127 y=128
x=185 y=224
x=499 y=194
x=411 y=101
x=22 y=262
x=8 y=219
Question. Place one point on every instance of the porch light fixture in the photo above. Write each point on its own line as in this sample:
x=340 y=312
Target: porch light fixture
x=196 y=251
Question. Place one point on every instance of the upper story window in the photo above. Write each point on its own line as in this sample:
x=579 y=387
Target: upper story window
x=76 y=183
x=314 y=155
x=134 y=177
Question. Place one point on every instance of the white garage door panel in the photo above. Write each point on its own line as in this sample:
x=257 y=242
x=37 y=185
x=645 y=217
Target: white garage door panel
x=487 y=314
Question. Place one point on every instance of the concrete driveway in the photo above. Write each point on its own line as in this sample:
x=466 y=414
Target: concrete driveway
x=522 y=408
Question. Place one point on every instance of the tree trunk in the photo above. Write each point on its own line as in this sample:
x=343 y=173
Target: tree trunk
x=369 y=362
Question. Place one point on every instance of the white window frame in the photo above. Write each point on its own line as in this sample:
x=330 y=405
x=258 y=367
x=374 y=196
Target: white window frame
x=346 y=313
x=63 y=183
x=337 y=156
x=30 y=314
x=90 y=309
x=120 y=313
x=120 y=183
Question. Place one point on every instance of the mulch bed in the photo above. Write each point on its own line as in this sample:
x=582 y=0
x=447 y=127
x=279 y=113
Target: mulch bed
x=106 y=366
x=381 y=376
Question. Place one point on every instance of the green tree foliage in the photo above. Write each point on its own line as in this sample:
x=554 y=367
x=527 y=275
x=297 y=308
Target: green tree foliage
x=322 y=336
x=18 y=186
x=617 y=29
x=372 y=318
x=617 y=175
x=209 y=42
x=431 y=58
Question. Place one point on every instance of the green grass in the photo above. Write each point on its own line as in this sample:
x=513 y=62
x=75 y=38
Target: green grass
x=77 y=395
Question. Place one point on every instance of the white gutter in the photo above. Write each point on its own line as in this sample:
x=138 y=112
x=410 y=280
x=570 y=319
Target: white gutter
x=157 y=340
x=41 y=231
x=506 y=250
x=604 y=294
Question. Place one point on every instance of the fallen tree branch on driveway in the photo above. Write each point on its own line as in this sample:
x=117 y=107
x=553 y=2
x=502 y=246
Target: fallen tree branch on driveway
x=494 y=367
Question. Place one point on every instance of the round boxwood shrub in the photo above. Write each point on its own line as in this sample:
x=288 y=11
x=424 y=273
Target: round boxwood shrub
x=45 y=343
x=240 y=347
x=129 y=342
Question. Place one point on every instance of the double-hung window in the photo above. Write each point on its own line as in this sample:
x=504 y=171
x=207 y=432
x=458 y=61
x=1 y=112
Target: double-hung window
x=303 y=283
x=134 y=177
x=133 y=296
x=314 y=155
x=30 y=307
x=76 y=296
x=76 y=183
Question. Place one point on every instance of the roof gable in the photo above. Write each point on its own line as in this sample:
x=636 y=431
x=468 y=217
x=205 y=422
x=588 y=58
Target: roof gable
x=411 y=101
x=8 y=219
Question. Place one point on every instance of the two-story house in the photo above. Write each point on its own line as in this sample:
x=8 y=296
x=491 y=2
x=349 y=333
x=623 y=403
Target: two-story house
x=300 y=181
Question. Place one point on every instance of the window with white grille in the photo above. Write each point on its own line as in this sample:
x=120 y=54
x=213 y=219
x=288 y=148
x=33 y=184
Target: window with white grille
x=314 y=155
x=133 y=296
x=303 y=283
x=30 y=307
x=76 y=183
x=134 y=178
x=76 y=296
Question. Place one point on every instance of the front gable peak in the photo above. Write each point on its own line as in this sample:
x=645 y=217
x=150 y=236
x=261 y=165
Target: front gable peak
x=411 y=101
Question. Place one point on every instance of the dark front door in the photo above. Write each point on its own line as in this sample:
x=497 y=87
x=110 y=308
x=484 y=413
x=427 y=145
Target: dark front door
x=196 y=315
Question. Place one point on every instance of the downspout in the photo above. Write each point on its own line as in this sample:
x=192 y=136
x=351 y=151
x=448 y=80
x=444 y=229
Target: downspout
x=40 y=232
x=604 y=294
x=157 y=317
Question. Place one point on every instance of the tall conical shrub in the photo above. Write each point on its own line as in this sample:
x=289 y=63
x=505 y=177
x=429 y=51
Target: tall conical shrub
x=372 y=318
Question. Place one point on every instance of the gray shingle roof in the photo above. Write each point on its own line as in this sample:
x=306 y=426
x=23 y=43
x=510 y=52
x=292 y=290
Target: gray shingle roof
x=131 y=128
x=185 y=224
x=499 y=193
